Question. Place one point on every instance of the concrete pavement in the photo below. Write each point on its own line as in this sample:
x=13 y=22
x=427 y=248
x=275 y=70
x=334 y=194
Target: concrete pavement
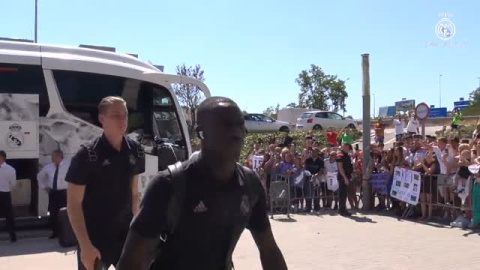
x=309 y=243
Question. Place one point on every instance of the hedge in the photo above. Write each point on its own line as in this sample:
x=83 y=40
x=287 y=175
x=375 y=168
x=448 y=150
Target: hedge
x=267 y=138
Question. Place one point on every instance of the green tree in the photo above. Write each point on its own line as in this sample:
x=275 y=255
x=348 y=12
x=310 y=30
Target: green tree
x=321 y=91
x=475 y=96
x=271 y=111
x=188 y=95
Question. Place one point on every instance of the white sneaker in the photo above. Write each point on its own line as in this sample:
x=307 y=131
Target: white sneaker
x=473 y=224
x=460 y=222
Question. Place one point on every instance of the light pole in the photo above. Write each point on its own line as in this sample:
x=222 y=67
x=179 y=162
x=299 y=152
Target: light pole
x=440 y=89
x=374 y=111
x=36 y=20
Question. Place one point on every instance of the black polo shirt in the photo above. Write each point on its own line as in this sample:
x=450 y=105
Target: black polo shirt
x=346 y=161
x=213 y=218
x=107 y=177
x=314 y=165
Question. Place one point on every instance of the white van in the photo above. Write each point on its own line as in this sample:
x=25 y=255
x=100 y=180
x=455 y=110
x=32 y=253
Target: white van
x=48 y=100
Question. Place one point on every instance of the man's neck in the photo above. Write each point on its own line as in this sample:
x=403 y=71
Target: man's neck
x=222 y=171
x=114 y=141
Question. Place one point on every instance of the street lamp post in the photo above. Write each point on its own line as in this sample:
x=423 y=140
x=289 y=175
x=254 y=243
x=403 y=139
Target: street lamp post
x=36 y=20
x=440 y=90
x=374 y=108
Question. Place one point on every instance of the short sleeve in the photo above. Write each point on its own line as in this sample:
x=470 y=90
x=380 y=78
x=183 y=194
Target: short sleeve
x=151 y=220
x=259 y=221
x=140 y=165
x=79 y=172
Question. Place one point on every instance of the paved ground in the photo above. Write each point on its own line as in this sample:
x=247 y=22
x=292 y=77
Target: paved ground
x=310 y=243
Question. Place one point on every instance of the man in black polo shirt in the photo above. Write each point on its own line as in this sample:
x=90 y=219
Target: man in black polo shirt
x=220 y=200
x=345 y=170
x=103 y=188
x=314 y=165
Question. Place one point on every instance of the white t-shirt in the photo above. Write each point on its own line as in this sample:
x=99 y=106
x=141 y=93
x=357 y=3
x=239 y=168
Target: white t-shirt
x=398 y=127
x=412 y=125
x=257 y=162
x=440 y=155
x=330 y=166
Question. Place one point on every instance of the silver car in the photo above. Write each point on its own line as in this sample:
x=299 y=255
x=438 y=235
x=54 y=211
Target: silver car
x=262 y=123
x=318 y=120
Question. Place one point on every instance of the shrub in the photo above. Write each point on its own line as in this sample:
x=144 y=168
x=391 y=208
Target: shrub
x=278 y=137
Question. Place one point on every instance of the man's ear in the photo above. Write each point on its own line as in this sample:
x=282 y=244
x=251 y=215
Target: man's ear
x=100 y=118
x=200 y=134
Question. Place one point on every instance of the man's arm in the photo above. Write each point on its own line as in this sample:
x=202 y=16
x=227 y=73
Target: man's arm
x=13 y=179
x=42 y=178
x=147 y=225
x=270 y=255
x=135 y=195
x=138 y=252
x=75 y=194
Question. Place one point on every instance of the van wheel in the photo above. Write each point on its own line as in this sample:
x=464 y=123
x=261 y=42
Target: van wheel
x=284 y=129
x=317 y=127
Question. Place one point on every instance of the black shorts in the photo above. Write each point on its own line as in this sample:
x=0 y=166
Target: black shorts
x=453 y=126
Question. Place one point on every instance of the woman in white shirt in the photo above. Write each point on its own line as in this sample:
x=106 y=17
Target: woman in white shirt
x=331 y=166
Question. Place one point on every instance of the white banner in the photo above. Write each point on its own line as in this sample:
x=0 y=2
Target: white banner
x=332 y=181
x=406 y=185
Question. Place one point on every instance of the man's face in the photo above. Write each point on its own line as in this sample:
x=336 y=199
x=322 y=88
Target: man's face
x=56 y=158
x=442 y=145
x=2 y=159
x=115 y=120
x=345 y=148
x=224 y=132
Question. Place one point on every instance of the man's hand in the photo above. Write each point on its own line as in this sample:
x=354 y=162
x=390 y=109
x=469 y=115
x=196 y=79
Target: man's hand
x=89 y=255
x=347 y=182
x=270 y=255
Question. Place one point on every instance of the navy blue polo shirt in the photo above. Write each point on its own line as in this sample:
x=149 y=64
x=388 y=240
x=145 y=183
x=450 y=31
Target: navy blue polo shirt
x=107 y=203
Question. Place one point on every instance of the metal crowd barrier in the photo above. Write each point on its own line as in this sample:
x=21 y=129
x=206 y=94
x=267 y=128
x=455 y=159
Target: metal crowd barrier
x=286 y=195
x=442 y=196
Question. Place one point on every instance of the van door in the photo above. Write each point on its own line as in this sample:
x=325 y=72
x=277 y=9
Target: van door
x=23 y=100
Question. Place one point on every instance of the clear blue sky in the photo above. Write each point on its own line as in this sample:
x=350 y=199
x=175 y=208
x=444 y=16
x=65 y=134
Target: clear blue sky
x=252 y=51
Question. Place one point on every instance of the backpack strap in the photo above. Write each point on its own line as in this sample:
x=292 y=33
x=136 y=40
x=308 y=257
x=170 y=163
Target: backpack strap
x=175 y=205
x=90 y=147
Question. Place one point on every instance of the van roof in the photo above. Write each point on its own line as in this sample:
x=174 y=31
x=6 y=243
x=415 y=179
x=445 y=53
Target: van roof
x=25 y=49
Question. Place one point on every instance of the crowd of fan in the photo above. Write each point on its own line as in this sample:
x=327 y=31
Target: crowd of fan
x=449 y=190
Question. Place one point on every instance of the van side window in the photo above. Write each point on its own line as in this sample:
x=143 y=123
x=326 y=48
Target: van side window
x=25 y=79
x=81 y=92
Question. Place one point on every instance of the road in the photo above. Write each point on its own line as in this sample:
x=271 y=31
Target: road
x=311 y=242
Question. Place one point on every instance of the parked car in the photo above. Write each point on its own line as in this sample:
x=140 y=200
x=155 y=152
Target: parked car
x=262 y=123
x=318 y=120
